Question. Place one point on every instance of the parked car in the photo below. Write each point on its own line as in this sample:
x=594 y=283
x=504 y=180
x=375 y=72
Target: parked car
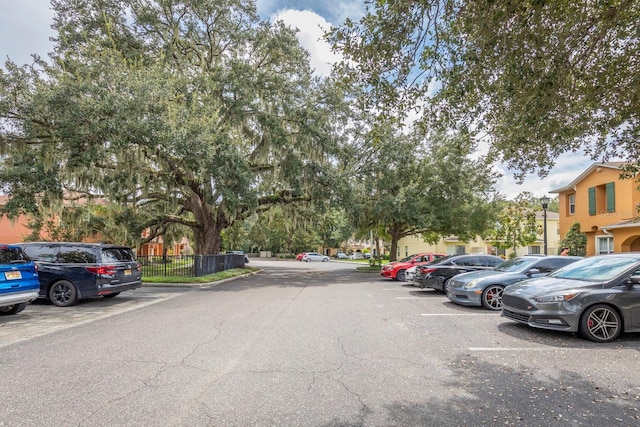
x=314 y=256
x=18 y=280
x=484 y=288
x=246 y=258
x=69 y=271
x=410 y=273
x=396 y=269
x=300 y=255
x=598 y=297
x=341 y=255
x=356 y=255
x=436 y=274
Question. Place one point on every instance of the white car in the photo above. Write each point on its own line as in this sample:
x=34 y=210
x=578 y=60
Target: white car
x=314 y=256
x=410 y=273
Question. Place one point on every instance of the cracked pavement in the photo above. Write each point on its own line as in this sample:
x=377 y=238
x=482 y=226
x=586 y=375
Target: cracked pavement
x=304 y=344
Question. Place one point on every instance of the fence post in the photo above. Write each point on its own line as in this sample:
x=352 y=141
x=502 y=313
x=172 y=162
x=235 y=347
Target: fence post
x=197 y=261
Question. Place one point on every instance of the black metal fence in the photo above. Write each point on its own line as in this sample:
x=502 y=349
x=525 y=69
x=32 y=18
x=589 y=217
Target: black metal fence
x=188 y=265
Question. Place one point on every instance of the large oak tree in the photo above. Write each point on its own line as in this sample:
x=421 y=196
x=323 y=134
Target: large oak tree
x=539 y=78
x=179 y=112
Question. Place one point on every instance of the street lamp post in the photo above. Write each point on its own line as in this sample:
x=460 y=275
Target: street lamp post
x=545 y=204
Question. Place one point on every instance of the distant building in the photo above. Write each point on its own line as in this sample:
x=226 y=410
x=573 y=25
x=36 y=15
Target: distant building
x=605 y=206
x=453 y=245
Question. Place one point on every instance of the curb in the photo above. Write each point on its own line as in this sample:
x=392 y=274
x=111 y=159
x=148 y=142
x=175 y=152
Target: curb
x=198 y=285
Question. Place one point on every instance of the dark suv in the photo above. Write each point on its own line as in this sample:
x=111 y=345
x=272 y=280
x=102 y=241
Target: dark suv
x=72 y=271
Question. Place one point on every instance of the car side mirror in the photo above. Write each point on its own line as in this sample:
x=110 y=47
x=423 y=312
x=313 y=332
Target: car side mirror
x=634 y=280
x=533 y=271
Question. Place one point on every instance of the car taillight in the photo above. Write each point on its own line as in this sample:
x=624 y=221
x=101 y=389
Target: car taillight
x=103 y=270
x=427 y=270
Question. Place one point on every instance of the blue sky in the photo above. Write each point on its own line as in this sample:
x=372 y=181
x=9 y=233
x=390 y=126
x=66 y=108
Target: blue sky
x=25 y=29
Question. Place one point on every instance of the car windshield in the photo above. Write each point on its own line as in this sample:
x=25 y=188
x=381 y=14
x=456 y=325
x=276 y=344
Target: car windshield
x=409 y=258
x=516 y=264
x=595 y=269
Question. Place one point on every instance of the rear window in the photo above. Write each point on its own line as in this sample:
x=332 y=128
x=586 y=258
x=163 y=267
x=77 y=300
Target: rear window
x=12 y=255
x=117 y=255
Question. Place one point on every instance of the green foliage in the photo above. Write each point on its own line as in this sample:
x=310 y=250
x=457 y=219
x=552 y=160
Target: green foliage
x=539 y=77
x=515 y=225
x=420 y=183
x=183 y=113
x=575 y=240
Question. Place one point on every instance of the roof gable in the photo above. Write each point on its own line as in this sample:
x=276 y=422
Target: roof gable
x=572 y=185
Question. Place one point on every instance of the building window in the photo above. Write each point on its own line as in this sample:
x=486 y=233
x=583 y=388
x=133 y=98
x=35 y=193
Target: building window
x=534 y=250
x=604 y=245
x=460 y=249
x=406 y=251
x=602 y=199
x=572 y=203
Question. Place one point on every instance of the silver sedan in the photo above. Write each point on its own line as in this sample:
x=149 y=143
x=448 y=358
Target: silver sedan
x=314 y=256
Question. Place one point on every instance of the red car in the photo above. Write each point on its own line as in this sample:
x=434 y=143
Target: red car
x=395 y=270
x=300 y=255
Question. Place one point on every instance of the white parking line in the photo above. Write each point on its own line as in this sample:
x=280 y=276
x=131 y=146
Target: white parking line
x=509 y=349
x=459 y=314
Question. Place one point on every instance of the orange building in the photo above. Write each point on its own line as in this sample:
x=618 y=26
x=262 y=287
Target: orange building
x=17 y=231
x=605 y=206
x=13 y=231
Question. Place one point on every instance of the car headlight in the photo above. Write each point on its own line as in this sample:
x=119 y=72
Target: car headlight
x=556 y=298
x=472 y=284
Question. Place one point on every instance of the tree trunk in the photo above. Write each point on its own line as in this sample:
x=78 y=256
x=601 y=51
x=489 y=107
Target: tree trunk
x=208 y=240
x=395 y=236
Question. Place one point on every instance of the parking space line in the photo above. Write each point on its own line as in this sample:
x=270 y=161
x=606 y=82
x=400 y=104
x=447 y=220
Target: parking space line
x=509 y=349
x=459 y=314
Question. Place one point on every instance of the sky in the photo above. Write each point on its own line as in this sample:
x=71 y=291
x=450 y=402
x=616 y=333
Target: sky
x=25 y=30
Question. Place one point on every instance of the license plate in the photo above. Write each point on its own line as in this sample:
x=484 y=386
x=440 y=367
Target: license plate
x=127 y=272
x=11 y=275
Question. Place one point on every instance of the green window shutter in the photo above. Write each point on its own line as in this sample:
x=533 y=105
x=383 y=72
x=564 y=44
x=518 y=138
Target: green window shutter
x=611 y=197
x=592 y=200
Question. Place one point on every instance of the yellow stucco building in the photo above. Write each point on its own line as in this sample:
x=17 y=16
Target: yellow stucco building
x=452 y=245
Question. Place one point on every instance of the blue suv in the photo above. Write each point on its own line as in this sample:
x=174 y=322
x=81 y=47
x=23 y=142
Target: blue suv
x=70 y=271
x=18 y=280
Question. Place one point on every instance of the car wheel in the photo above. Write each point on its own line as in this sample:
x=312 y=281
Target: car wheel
x=600 y=323
x=325 y=259
x=307 y=260
x=115 y=294
x=12 y=309
x=401 y=276
x=492 y=297
x=63 y=293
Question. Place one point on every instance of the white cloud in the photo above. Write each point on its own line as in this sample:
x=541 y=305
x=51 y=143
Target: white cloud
x=568 y=167
x=312 y=28
x=25 y=28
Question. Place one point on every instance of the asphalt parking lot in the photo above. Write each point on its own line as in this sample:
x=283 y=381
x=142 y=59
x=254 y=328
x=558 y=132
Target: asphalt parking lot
x=305 y=344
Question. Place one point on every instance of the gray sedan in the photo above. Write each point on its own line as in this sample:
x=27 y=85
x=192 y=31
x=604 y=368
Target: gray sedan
x=484 y=288
x=599 y=297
